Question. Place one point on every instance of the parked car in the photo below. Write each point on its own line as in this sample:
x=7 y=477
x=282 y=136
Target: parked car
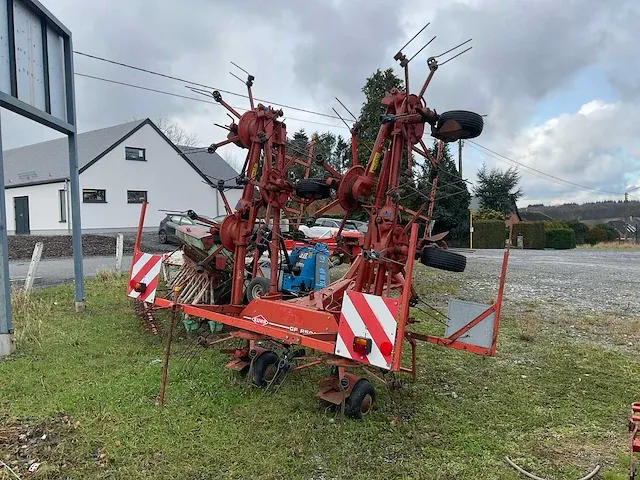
x=327 y=227
x=361 y=226
x=168 y=225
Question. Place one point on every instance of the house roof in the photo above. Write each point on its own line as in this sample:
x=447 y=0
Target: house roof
x=211 y=165
x=533 y=215
x=48 y=162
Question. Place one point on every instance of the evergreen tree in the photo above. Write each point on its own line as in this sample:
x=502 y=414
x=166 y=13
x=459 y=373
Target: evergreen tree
x=451 y=210
x=376 y=86
x=497 y=189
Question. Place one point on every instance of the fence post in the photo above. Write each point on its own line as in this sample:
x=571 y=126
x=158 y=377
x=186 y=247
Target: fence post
x=33 y=267
x=119 y=252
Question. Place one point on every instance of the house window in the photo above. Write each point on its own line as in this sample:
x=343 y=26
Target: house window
x=133 y=153
x=136 y=196
x=62 y=202
x=90 y=195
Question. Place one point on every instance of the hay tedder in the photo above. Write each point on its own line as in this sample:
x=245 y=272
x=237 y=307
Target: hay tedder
x=359 y=322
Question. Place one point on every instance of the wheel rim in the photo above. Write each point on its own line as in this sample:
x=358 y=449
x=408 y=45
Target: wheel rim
x=365 y=406
x=257 y=291
x=163 y=237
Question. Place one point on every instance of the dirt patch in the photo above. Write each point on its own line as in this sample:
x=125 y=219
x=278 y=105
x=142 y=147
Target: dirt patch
x=59 y=246
x=30 y=445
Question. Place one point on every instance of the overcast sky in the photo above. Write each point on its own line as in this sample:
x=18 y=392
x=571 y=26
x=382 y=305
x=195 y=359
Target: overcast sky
x=558 y=81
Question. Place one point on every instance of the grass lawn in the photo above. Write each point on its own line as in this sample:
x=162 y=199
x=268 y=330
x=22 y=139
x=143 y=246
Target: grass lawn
x=557 y=405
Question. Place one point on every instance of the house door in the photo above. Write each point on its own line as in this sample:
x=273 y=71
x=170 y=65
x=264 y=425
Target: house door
x=21 y=207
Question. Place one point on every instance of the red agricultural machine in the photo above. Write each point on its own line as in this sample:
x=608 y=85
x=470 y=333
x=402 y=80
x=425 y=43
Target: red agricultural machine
x=361 y=320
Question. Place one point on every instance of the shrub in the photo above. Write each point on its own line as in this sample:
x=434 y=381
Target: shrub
x=488 y=214
x=600 y=233
x=551 y=224
x=580 y=229
x=560 y=238
x=489 y=234
x=532 y=232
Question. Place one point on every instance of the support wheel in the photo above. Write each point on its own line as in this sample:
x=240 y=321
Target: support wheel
x=258 y=287
x=360 y=402
x=458 y=124
x=265 y=368
x=162 y=237
x=443 y=259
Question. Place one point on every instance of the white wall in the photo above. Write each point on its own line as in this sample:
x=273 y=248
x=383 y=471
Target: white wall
x=170 y=181
x=44 y=208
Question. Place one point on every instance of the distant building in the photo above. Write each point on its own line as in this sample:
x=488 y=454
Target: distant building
x=120 y=167
x=625 y=230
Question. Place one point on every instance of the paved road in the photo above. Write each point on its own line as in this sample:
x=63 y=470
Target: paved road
x=59 y=270
x=598 y=280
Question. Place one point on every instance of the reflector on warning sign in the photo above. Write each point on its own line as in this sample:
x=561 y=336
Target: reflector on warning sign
x=144 y=276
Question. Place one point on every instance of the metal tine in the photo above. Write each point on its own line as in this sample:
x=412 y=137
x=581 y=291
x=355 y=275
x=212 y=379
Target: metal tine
x=414 y=37
x=348 y=111
x=423 y=47
x=343 y=120
x=196 y=89
x=452 y=49
x=455 y=56
x=201 y=92
x=236 y=76
x=238 y=66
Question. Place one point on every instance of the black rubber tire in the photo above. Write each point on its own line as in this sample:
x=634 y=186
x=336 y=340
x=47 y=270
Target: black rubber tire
x=162 y=237
x=470 y=122
x=263 y=366
x=360 y=401
x=443 y=259
x=312 y=189
x=255 y=285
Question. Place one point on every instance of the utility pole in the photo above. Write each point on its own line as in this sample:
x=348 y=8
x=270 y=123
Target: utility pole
x=460 y=157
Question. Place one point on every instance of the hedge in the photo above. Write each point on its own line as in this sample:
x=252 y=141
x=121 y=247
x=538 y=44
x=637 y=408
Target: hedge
x=533 y=234
x=561 y=238
x=489 y=234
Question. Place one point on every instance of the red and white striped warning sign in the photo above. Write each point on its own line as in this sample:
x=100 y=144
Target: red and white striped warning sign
x=145 y=271
x=368 y=316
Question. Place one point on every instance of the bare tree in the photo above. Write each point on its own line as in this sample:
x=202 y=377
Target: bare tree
x=233 y=160
x=177 y=134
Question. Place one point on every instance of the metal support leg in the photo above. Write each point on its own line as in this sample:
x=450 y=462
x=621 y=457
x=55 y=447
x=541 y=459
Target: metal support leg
x=6 y=328
x=76 y=232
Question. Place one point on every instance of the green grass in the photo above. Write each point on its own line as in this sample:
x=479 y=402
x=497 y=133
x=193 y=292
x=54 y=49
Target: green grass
x=556 y=406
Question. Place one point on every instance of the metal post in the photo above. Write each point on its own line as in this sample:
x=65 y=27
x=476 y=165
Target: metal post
x=460 y=157
x=119 y=252
x=33 y=267
x=74 y=181
x=6 y=328
x=470 y=229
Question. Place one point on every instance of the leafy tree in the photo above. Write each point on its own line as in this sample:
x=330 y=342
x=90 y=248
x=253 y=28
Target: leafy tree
x=497 y=189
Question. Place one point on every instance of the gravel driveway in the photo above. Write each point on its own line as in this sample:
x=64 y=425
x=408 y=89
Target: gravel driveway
x=600 y=281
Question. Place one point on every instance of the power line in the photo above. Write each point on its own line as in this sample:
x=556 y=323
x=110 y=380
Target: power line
x=228 y=92
x=499 y=157
x=195 y=99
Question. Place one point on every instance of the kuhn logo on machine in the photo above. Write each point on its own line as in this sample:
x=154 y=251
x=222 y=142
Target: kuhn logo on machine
x=260 y=320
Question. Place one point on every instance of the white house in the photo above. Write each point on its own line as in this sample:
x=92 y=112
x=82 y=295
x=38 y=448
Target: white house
x=120 y=166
